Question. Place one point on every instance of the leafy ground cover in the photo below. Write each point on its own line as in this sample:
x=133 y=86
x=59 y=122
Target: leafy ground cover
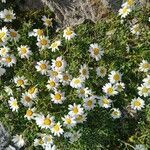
x=102 y=68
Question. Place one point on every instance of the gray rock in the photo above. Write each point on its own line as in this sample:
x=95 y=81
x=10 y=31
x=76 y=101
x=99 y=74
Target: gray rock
x=4 y=137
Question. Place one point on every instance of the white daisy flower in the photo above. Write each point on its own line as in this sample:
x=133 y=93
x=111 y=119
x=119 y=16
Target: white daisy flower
x=120 y=86
x=65 y=78
x=59 y=64
x=89 y=103
x=109 y=89
x=47 y=139
x=8 y=90
x=55 y=45
x=9 y=60
x=58 y=97
x=24 y=51
x=137 y=103
x=26 y=100
x=96 y=51
x=124 y=11
x=69 y=33
x=81 y=118
x=50 y=147
x=105 y=102
x=116 y=113
x=47 y=21
x=30 y=113
x=3 y=35
x=52 y=84
x=69 y=121
x=20 y=81
x=84 y=92
x=84 y=71
x=57 y=129
x=54 y=74
x=129 y=3
x=44 y=122
x=42 y=67
x=144 y=90
x=43 y=42
x=135 y=29
x=144 y=66
x=18 y=141
x=101 y=71
x=76 y=82
x=13 y=104
x=140 y=147
x=75 y=110
x=7 y=15
x=32 y=92
x=38 y=142
x=114 y=76
x=37 y=33
x=3 y=1
x=2 y=71
x=147 y=81
x=14 y=35
x=73 y=136
x=4 y=51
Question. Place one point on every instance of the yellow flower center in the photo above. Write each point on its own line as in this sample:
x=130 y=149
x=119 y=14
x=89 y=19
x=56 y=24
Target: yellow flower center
x=44 y=42
x=69 y=32
x=116 y=77
x=23 y=50
x=47 y=121
x=68 y=120
x=110 y=90
x=8 y=16
x=130 y=2
x=96 y=51
x=3 y=51
x=43 y=66
x=20 y=82
x=75 y=110
x=14 y=104
x=13 y=34
x=89 y=103
x=29 y=112
x=41 y=141
x=137 y=103
x=146 y=65
x=40 y=32
x=124 y=10
x=54 y=73
x=57 y=96
x=105 y=101
x=56 y=128
x=31 y=90
x=79 y=118
x=8 y=59
x=54 y=45
x=84 y=71
x=77 y=81
x=58 y=63
x=65 y=77
x=145 y=90
x=82 y=91
x=27 y=99
x=48 y=22
x=52 y=83
x=115 y=113
x=2 y=34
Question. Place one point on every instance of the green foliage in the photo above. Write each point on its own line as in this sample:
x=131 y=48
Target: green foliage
x=100 y=131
